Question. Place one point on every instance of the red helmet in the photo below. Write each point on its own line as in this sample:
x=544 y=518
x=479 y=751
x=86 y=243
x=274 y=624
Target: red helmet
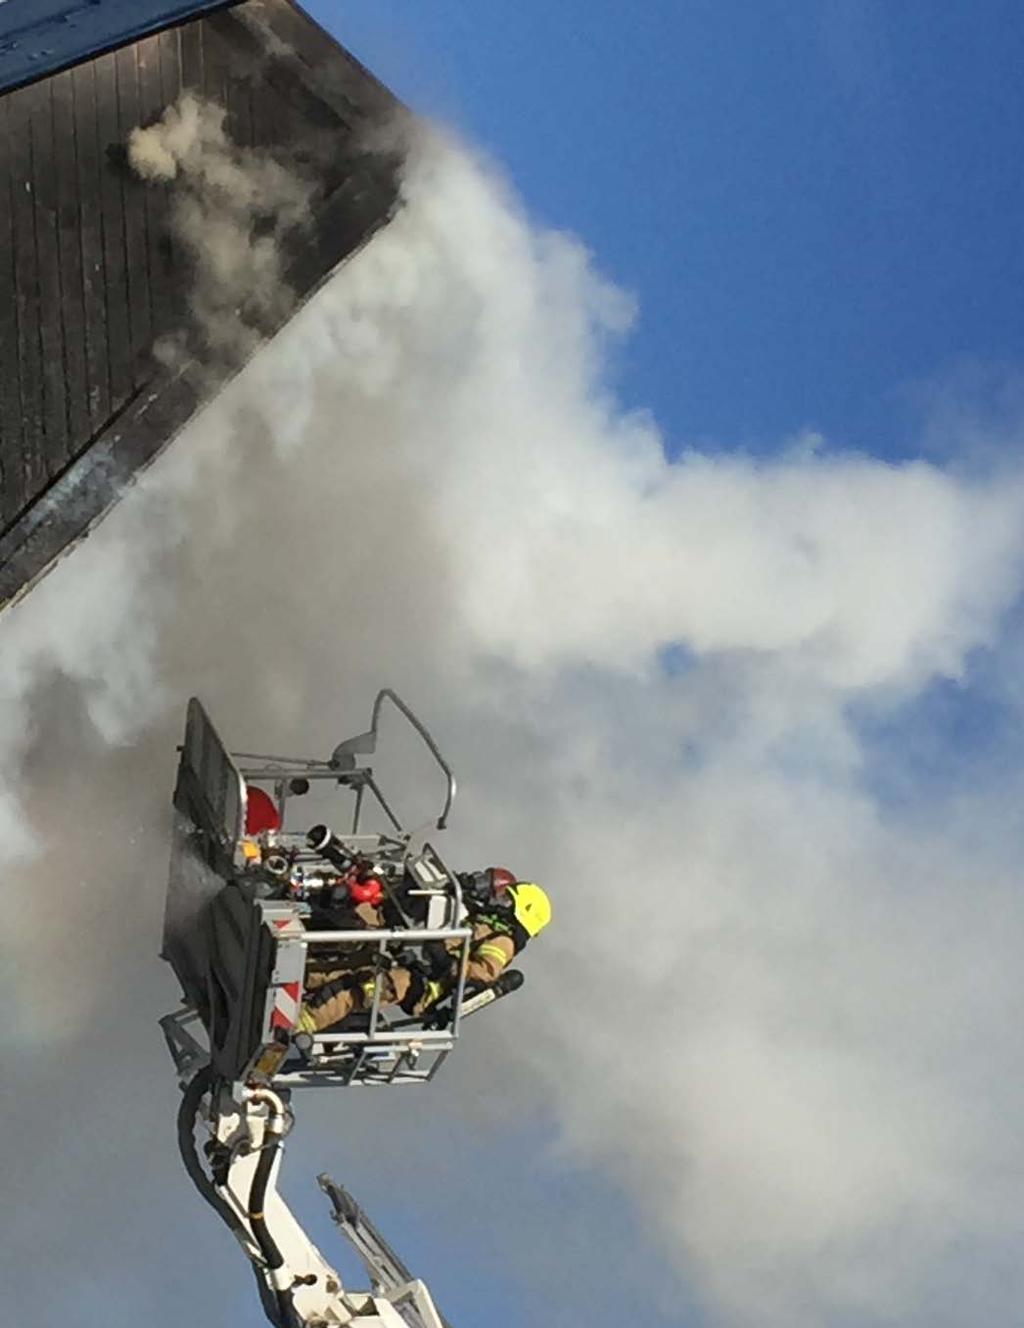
x=501 y=879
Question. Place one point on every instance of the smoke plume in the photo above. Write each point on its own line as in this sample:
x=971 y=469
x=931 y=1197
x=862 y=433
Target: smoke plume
x=776 y=1005
x=232 y=210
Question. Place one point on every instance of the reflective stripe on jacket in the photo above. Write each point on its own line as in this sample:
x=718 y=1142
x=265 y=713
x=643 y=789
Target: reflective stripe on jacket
x=490 y=953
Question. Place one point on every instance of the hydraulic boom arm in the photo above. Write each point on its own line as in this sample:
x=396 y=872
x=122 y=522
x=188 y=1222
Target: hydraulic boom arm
x=298 y=1287
x=388 y=1274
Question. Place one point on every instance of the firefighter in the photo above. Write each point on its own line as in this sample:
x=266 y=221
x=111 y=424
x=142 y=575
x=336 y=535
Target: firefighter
x=506 y=914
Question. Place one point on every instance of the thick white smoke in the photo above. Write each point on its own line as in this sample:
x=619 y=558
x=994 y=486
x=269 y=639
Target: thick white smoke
x=232 y=208
x=774 y=1007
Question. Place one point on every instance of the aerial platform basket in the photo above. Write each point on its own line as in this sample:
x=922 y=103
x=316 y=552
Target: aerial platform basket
x=245 y=921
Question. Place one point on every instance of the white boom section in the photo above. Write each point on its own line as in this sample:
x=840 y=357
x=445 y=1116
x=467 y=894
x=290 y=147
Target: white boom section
x=301 y=1289
x=388 y=1273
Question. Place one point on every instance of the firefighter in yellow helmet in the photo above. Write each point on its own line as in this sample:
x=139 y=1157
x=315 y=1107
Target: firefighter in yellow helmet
x=505 y=913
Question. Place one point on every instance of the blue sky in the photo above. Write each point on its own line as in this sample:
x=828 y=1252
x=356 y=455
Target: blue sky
x=816 y=202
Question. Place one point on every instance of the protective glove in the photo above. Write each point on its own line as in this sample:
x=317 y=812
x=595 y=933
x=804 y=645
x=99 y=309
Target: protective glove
x=438 y=961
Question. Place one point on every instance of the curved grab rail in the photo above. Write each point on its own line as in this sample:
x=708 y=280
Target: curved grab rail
x=387 y=693
x=367 y=742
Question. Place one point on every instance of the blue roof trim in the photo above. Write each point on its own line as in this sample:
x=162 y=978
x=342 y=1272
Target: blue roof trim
x=38 y=37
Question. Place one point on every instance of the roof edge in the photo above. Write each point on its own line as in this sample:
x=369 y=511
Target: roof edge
x=77 y=30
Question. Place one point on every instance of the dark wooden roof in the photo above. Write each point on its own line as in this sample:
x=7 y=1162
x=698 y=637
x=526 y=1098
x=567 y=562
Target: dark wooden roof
x=91 y=276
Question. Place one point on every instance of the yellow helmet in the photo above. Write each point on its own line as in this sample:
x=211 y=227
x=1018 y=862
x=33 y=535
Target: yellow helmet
x=531 y=905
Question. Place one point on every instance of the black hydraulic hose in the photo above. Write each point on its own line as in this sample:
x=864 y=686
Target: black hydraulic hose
x=257 y=1218
x=193 y=1095
x=257 y=1195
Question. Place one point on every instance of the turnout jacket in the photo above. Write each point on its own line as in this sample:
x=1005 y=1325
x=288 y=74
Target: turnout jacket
x=490 y=952
x=333 y=996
